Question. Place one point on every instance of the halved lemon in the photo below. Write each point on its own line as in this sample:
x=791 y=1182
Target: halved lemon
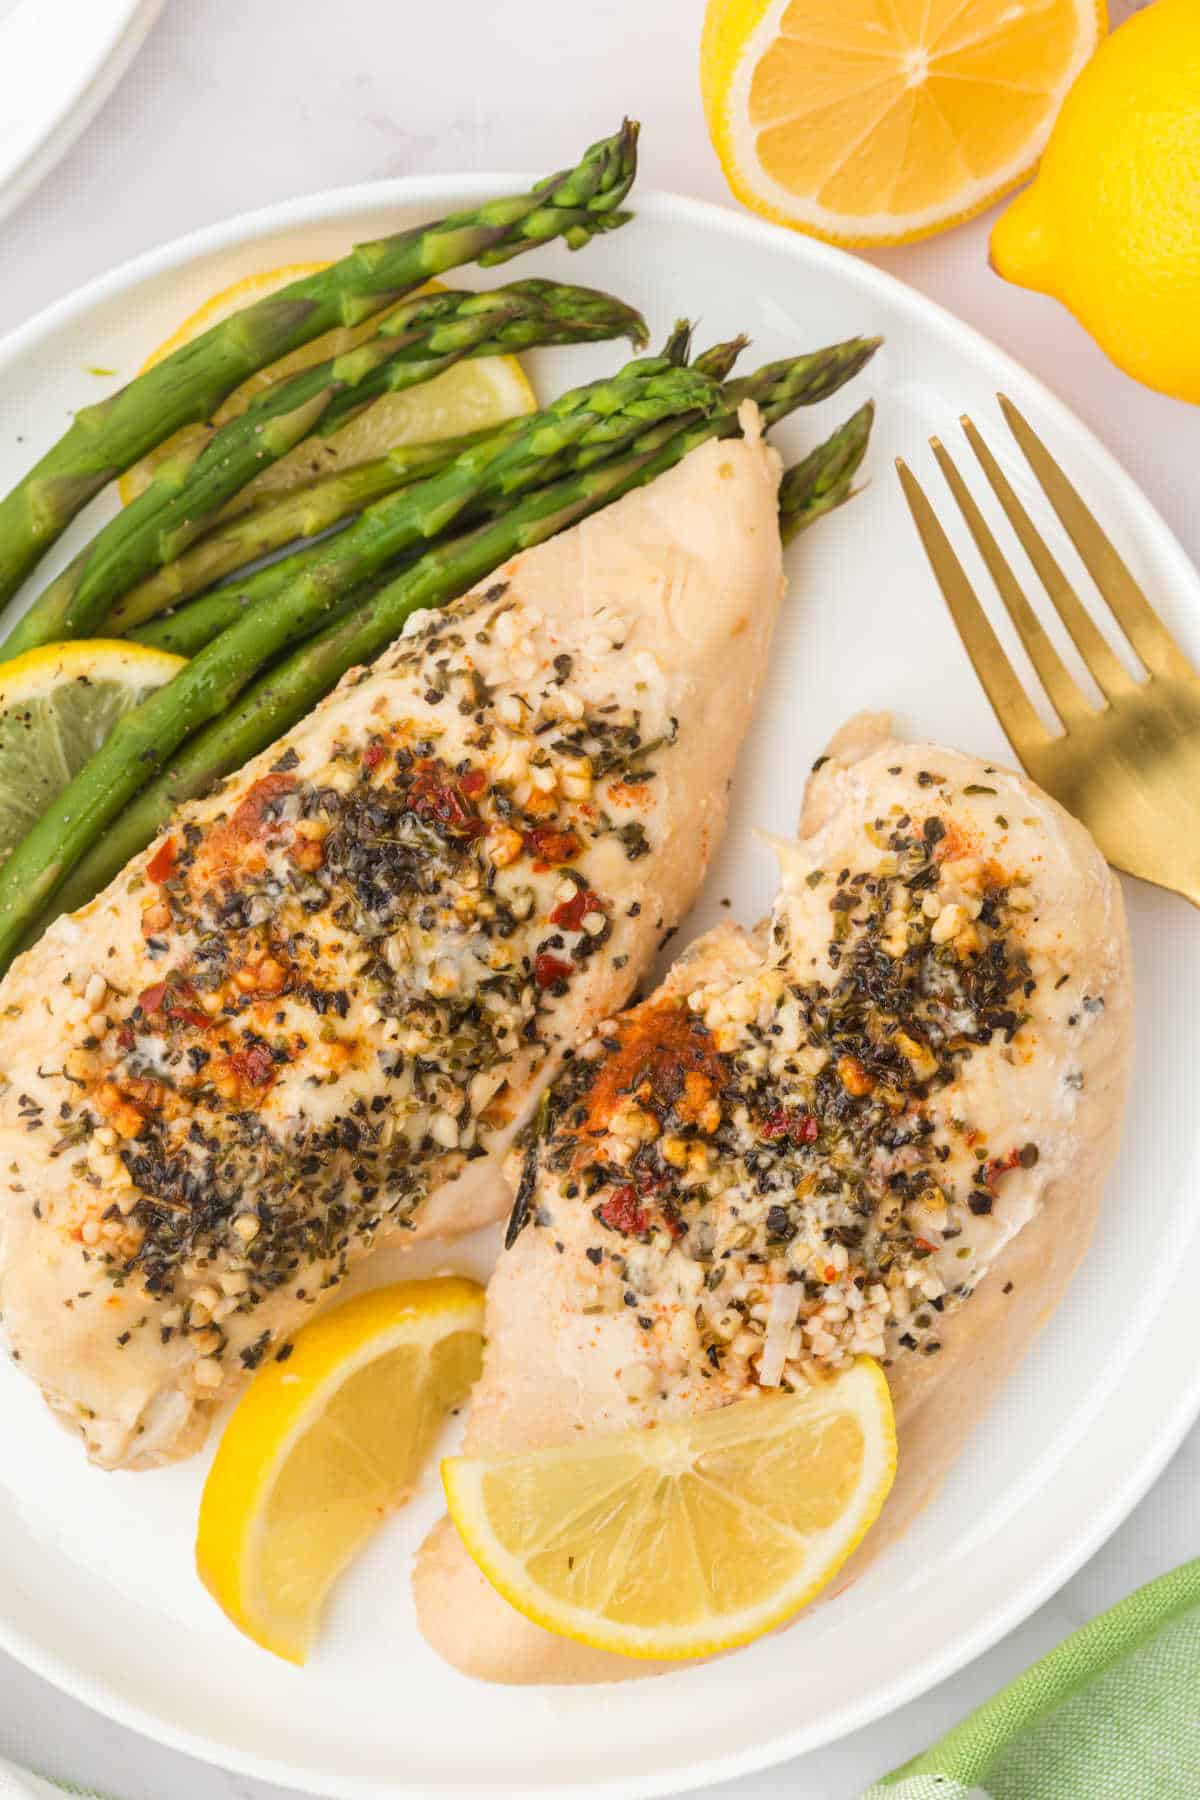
x=467 y=397
x=57 y=706
x=324 y=1444
x=881 y=121
x=687 y=1538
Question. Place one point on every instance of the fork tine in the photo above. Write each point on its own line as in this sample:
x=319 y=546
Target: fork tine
x=1127 y=603
x=1065 y=696
x=1025 y=730
x=1106 y=667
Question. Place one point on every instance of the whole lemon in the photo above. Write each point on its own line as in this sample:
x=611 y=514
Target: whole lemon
x=1111 y=224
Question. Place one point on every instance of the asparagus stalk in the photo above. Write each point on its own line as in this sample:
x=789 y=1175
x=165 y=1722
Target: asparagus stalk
x=825 y=478
x=282 y=697
x=145 y=737
x=416 y=341
x=678 y=347
x=539 y=313
x=366 y=547
x=391 y=525
x=308 y=511
x=187 y=631
x=189 y=385
x=718 y=359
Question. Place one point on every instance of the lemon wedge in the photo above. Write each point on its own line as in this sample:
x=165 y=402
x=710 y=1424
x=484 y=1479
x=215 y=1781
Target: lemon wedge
x=324 y=1444
x=470 y=396
x=872 y=123
x=57 y=706
x=690 y=1537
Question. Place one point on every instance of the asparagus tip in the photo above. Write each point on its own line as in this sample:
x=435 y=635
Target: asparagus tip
x=678 y=346
x=718 y=360
x=824 y=479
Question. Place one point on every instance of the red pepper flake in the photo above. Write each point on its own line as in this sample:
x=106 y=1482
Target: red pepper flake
x=830 y=1274
x=162 y=863
x=247 y=821
x=191 y=1015
x=437 y=798
x=800 y=1127
x=373 y=755
x=125 y=1037
x=622 y=1212
x=924 y=1244
x=174 y=1002
x=1002 y=1165
x=552 y=846
x=473 y=783
x=549 y=969
x=570 y=913
x=254 y=1065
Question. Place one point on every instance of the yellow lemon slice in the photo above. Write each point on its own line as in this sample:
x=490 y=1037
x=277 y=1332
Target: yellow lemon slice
x=880 y=121
x=691 y=1537
x=468 y=397
x=57 y=706
x=324 y=1445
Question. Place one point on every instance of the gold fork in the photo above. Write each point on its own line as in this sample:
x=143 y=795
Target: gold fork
x=1129 y=769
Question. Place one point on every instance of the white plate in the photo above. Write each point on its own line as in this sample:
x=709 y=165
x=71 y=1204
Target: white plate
x=96 y=1584
x=59 y=62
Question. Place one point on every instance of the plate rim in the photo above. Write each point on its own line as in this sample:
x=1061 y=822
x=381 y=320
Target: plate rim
x=325 y=207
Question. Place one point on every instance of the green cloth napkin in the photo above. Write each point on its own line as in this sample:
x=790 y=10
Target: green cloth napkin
x=1112 y=1714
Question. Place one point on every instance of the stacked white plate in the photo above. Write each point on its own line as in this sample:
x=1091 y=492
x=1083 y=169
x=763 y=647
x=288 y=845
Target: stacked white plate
x=59 y=62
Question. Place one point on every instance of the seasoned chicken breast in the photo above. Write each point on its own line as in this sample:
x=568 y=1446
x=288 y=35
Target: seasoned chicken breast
x=308 y=1021
x=880 y=1123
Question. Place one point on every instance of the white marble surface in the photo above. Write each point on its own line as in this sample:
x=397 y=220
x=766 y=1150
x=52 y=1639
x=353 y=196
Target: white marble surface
x=236 y=103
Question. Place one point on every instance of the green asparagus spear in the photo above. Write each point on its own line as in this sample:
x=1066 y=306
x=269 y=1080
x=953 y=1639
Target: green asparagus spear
x=186 y=632
x=306 y=512
x=189 y=385
x=678 y=347
x=145 y=737
x=825 y=479
x=282 y=519
x=719 y=359
x=193 y=627
x=799 y=381
x=414 y=342
x=391 y=525
x=282 y=697
x=541 y=313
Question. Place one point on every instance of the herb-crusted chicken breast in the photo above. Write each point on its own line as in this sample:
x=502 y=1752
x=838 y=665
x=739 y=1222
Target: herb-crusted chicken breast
x=879 y=1124
x=308 y=1021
